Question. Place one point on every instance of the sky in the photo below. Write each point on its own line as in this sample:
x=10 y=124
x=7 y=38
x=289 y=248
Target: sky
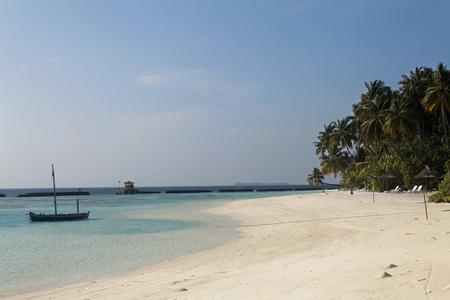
x=193 y=92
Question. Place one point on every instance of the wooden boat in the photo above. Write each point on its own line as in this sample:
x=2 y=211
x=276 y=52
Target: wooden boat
x=58 y=217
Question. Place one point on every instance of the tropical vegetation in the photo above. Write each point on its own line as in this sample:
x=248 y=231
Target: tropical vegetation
x=444 y=192
x=398 y=132
x=316 y=178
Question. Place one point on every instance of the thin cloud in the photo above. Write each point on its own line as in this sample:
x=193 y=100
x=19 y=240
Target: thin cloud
x=54 y=60
x=176 y=124
x=151 y=80
x=207 y=83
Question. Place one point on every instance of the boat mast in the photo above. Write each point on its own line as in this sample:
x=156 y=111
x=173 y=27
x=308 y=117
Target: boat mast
x=54 y=188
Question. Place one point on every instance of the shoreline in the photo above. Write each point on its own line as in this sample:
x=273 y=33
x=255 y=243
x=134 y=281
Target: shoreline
x=305 y=246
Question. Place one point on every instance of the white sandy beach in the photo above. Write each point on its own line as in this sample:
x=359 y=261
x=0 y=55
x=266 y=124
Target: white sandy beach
x=316 y=246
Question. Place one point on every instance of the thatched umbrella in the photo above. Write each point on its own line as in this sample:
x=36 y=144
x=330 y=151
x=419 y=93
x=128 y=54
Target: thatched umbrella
x=370 y=177
x=425 y=174
x=386 y=176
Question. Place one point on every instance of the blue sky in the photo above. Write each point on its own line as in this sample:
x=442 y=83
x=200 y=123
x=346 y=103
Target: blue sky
x=193 y=92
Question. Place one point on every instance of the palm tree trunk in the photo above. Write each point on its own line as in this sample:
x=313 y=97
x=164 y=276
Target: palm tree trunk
x=384 y=147
x=420 y=134
x=390 y=143
x=343 y=172
x=420 y=158
x=351 y=154
x=346 y=146
x=444 y=122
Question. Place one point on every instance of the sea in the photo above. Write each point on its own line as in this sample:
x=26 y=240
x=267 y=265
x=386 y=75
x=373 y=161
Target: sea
x=123 y=232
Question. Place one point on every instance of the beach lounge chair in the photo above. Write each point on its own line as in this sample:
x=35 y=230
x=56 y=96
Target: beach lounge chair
x=418 y=189
x=413 y=189
x=395 y=190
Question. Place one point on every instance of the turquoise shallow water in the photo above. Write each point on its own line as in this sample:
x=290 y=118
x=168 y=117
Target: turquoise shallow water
x=123 y=233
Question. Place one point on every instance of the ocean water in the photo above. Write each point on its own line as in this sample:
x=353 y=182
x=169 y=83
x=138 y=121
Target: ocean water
x=123 y=233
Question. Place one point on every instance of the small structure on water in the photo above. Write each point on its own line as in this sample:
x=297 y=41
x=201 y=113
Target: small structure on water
x=129 y=189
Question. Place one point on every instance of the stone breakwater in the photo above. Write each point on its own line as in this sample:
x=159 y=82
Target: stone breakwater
x=47 y=194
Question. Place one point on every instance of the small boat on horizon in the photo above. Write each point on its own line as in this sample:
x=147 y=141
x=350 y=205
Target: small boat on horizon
x=58 y=217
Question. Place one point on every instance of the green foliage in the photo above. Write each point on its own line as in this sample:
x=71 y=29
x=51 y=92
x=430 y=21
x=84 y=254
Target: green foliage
x=439 y=198
x=352 y=177
x=315 y=178
x=334 y=161
x=444 y=192
x=444 y=187
x=395 y=132
x=447 y=166
x=351 y=180
x=409 y=171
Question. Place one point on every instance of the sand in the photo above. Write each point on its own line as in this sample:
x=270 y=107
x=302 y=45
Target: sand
x=317 y=246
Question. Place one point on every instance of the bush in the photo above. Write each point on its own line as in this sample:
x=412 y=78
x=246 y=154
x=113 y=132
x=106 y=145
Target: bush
x=444 y=192
x=439 y=198
x=447 y=166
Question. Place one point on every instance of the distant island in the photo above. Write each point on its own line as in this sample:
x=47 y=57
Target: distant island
x=256 y=183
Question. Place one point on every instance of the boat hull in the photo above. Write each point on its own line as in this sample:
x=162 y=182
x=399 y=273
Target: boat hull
x=59 y=217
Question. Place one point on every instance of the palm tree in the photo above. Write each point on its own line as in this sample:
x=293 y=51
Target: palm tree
x=413 y=88
x=344 y=133
x=351 y=178
x=360 y=153
x=438 y=95
x=400 y=118
x=334 y=162
x=375 y=88
x=316 y=178
x=370 y=113
x=324 y=139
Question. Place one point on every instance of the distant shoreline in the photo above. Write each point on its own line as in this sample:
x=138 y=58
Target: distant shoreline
x=257 y=184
